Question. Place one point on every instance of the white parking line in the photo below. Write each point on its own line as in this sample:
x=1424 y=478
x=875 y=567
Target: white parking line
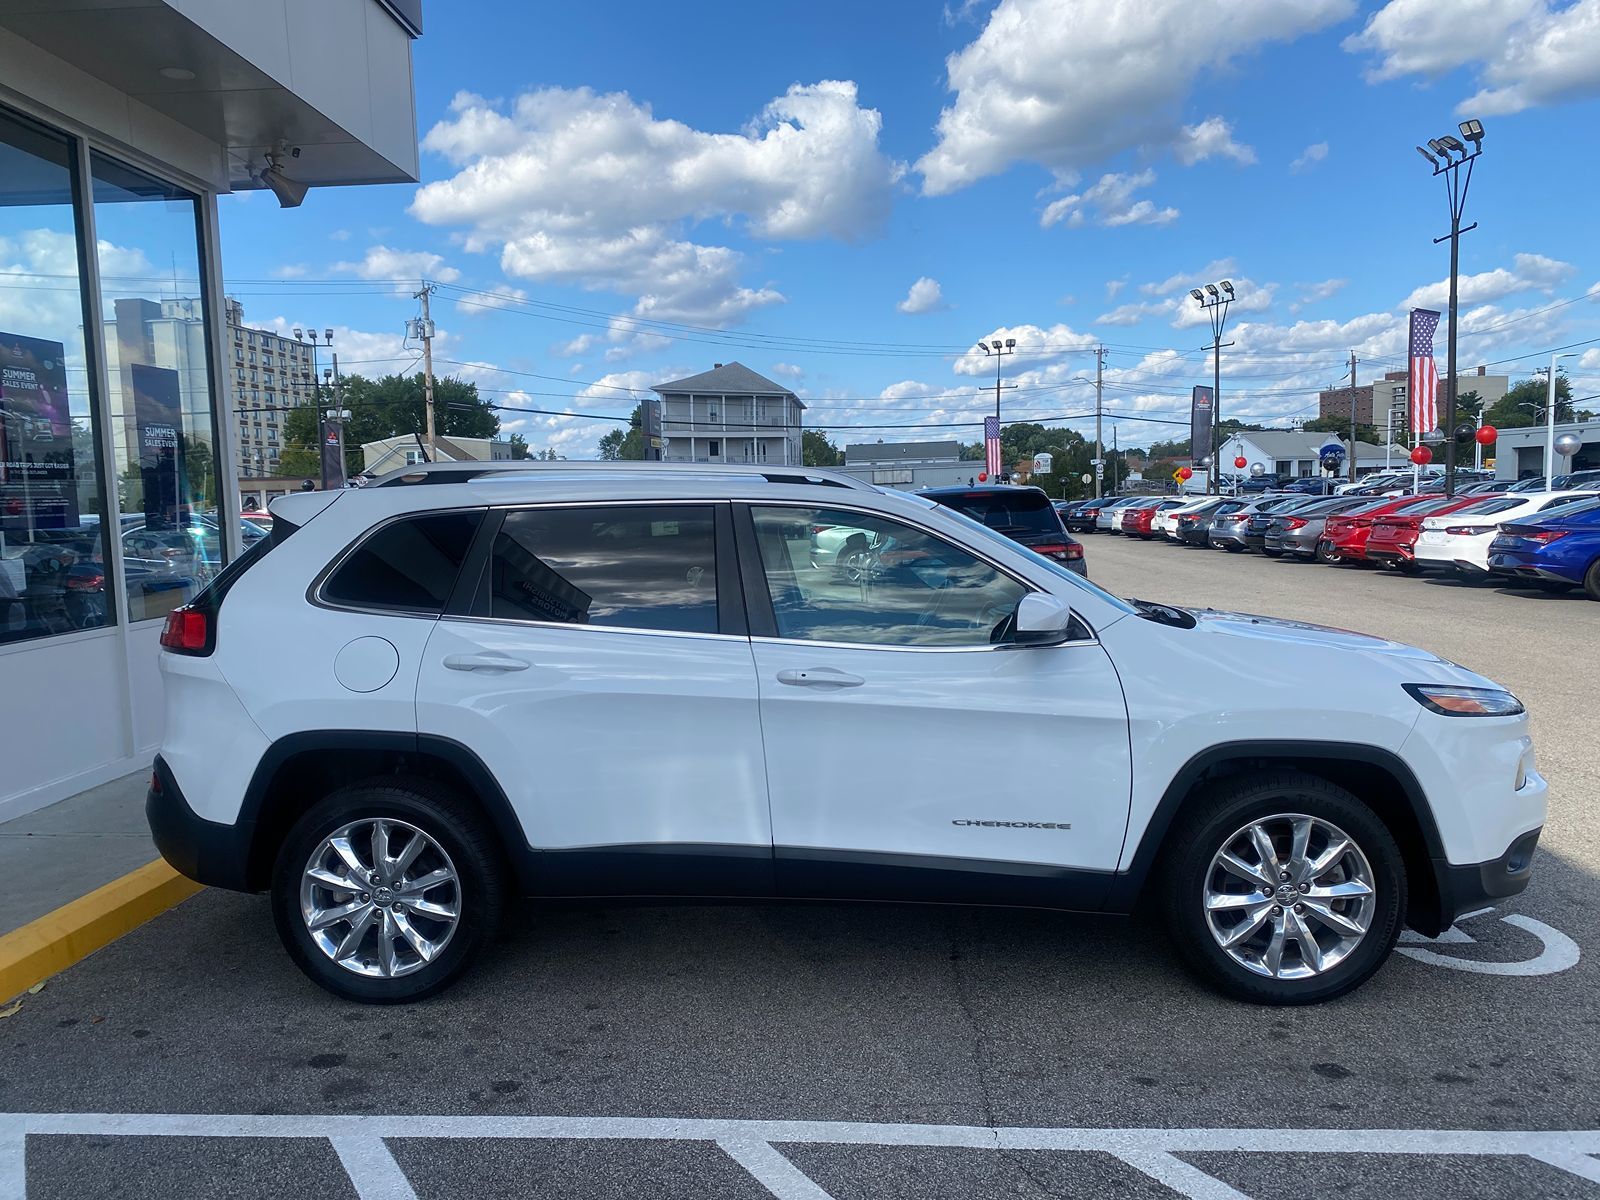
x=359 y=1142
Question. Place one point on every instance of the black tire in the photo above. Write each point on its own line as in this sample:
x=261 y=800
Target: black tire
x=1325 y=554
x=458 y=830
x=1233 y=547
x=1591 y=580
x=1212 y=818
x=1272 y=553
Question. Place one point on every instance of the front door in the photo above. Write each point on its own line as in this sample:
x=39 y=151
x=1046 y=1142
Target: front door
x=602 y=674
x=911 y=750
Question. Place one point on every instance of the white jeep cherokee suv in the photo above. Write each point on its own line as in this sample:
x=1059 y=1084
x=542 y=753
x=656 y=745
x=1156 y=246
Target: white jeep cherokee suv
x=471 y=681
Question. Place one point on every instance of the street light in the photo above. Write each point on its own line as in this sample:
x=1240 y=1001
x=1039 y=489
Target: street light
x=1456 y=189
x=1215 y=300
x=995 y=347
x=1550 y=425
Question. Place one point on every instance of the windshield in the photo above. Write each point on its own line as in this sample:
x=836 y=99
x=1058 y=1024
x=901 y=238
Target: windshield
x=1055 y=568
x=1011 y=512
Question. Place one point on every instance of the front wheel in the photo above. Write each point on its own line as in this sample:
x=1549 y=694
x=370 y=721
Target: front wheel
x=385 y=891
x=1282 y=888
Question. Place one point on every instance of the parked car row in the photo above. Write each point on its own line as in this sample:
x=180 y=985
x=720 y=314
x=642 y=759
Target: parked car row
x=1550 y=538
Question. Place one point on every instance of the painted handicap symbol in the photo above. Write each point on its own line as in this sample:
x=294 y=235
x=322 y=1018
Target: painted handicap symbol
x=1557 y=951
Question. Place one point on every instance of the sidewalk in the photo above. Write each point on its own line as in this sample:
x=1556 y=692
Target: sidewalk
x=58 y=854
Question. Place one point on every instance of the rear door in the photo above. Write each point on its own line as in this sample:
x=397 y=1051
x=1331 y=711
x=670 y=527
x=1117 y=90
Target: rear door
x=601 y=671
x=910 y=751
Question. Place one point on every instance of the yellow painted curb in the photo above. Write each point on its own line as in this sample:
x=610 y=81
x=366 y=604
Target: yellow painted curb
x=76 y=930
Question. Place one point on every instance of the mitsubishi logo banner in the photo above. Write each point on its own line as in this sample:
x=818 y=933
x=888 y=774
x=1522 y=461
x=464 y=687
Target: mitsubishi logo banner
x=1202 y=411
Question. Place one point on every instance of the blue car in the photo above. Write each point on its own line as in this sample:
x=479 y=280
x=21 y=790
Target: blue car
x=1563 y=548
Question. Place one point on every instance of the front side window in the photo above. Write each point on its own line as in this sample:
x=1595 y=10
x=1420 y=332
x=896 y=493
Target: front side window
x=410 y=564
x=651 y=567
x=841 y=576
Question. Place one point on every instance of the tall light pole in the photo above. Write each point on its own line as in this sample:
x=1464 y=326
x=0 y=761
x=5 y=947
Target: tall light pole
x=1215 y=299
x=1550 y=425
x=1456 y=189
x=999 y=349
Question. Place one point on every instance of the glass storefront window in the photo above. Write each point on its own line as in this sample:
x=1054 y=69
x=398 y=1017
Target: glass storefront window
x=163 y=434
x=52 y=505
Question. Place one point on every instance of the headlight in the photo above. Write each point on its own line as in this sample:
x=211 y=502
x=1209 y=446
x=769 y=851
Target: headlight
x=1452 y=701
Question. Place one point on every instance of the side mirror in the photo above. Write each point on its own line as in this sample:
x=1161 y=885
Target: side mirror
x=1042 y=620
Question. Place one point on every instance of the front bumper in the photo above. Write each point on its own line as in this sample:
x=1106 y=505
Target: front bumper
x=207 y=852
x=1465 y=888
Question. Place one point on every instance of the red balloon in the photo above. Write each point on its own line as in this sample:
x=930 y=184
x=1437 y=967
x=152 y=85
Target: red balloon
x=1487 y=435
x=1422 y=456
x=1241 y=462
x=1185 y=473
x=983 y=477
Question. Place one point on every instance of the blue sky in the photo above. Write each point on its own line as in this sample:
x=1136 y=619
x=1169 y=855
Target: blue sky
x=601 y=194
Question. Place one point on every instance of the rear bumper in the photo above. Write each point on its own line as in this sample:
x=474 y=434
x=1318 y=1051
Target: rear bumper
x=1291 y=543
x=207 y=852
x=1390 y=552
x=1464 y=888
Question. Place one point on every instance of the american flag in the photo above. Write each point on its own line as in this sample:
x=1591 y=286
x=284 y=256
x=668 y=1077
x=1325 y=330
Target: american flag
x=1423 y=383
x=991 y=446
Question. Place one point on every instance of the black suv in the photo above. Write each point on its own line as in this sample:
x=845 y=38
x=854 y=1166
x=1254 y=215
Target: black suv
x=1023 y=514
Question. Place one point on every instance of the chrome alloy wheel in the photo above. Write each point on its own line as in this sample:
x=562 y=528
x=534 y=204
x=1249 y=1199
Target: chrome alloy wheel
x=1289 y=896
x=380 y=897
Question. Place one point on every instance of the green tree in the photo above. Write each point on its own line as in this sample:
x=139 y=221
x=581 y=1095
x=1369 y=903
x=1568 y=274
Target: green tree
x=625 y=444
x=816 y=450
x=1524 y=404
x=393 y=406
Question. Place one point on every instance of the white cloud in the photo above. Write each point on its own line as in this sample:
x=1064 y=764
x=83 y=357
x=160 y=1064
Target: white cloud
x=37 y=300
x=1130 y=314
x=1212 y=138
x=1525 y=52
x=290 y=271
x=364 y=352
x=590 y=189
x=924 y=297
x=788 y=370
x=1528 y=273
x=1215 y=270
x=1313 y=293
x=1034 y=344
x=500 y=296
x=1309 y=157
x=382 y=262
x=1068 y=85
x=1113 y=286
x=1112 y=202
x=339 y=235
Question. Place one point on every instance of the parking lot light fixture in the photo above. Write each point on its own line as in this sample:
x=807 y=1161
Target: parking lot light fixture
x=1215 y=300
x=1456 y=186
x=1550 y=425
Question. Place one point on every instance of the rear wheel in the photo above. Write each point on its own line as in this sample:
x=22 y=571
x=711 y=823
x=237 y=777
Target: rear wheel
x=1233 y=547
x=1325 y=554
x=1272 y=553
x=385 y=891
x=1591 y=580
x=1281 y=888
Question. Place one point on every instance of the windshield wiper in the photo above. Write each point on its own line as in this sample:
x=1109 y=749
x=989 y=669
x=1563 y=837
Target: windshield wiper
x=1163 y=614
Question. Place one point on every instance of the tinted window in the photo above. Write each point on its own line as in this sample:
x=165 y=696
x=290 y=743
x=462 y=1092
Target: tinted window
x=1021 y=511
x=650 y=567
x=1484 y=507
x=838 y=576
x=410 y=563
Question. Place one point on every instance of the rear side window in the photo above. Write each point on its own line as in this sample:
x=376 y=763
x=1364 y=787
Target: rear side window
x=650 y=567
x=409 y=564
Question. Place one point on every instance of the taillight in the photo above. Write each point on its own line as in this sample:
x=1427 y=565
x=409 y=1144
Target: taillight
x=86 y=583
x=1294 y=522
x=187 y=632
x=1074 y=551
x=1544 y=536
x=1236 y=517
x=1469 y=530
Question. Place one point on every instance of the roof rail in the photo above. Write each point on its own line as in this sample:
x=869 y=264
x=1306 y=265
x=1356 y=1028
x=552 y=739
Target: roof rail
x=463 y=472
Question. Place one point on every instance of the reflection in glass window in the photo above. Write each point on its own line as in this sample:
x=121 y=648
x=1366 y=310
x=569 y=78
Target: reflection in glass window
x=52 y=556
x=163 y=435
x=840 y=576
x=650 y=567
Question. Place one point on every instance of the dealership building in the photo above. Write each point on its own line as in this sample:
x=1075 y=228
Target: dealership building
x=119 y=371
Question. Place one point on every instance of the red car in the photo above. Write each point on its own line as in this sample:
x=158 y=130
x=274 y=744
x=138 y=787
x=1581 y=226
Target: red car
x=1393 y=538
x=1344 y=535
x=1136 y=520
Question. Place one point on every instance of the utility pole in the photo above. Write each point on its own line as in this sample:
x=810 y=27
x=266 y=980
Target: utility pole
x=1099 y=407
x=1215 y=299
x=425 y=332
x=1352 y=416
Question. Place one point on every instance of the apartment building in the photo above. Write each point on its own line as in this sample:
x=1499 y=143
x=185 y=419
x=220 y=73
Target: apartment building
x=729 y=414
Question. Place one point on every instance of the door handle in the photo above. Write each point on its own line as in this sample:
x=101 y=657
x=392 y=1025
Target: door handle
x=823 y=677
x=484 y=662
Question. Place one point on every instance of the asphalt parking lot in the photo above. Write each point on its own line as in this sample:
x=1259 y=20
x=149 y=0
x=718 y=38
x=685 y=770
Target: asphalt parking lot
x=897 y=1051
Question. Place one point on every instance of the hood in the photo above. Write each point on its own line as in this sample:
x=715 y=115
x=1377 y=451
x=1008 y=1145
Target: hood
x=1301 y=633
